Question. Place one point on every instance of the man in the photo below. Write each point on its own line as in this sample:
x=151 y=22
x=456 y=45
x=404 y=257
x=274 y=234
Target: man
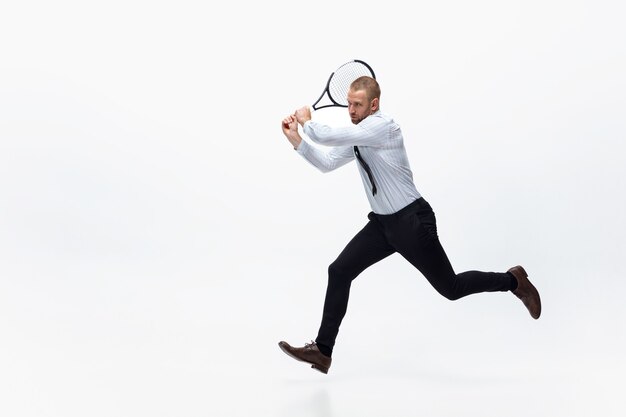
x=401 y=219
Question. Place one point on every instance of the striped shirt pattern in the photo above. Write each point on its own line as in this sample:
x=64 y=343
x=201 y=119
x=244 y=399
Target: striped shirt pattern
x=381 y=145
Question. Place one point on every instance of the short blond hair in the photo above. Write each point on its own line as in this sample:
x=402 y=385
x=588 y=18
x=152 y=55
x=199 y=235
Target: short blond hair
x=369 y=85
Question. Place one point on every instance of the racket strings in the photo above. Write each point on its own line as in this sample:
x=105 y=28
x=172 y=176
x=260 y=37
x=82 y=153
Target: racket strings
x=342 y=78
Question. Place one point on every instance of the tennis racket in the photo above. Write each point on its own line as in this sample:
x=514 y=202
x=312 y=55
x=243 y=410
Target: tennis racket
x=339 y=82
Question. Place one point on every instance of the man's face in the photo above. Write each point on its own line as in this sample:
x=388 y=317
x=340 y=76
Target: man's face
x=359 y=107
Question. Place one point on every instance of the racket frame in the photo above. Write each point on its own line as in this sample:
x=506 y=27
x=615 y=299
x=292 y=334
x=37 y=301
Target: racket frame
x=327 y=90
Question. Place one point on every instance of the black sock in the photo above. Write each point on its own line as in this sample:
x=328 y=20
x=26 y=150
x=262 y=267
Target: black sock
x=513 y=281
x=326 y=351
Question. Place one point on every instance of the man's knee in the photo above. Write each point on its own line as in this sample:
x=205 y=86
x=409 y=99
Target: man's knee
x=335 y=270
x=449 y=292
x=339 y=272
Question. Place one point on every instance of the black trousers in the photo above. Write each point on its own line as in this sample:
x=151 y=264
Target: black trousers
x=412 y=232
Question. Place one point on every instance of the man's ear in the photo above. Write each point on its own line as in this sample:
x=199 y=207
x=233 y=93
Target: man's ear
x=374 y=104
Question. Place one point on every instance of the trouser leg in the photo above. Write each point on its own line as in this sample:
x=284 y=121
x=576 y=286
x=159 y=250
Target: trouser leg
x=366 y=248
x=414 y=236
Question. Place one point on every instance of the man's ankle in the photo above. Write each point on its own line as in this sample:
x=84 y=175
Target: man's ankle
x=325 y=350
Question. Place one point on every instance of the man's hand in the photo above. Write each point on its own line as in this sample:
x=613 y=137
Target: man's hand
x=290 y=130
x=303 y=114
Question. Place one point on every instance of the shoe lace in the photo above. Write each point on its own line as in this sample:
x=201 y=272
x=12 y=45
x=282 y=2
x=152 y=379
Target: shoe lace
x=310 y=345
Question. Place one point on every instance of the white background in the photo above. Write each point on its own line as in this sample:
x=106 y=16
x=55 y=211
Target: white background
x=159 y=236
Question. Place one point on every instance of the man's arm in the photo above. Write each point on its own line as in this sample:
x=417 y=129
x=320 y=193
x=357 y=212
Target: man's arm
x=324 y=161
x=372 y=131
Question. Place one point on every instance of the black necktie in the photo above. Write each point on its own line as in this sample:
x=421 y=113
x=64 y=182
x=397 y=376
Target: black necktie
x=366 y=168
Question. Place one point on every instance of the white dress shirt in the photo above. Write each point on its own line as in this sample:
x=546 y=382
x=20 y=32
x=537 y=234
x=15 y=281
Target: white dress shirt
x=381 y=145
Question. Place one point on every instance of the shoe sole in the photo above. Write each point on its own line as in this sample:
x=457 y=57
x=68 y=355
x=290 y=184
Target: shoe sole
x=320 y=368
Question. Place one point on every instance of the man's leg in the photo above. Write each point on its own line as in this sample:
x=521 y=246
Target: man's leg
x=415 y=238
x=365 y=249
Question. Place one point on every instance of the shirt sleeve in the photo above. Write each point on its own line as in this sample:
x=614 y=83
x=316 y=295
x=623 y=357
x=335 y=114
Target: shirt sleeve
x=326 y=161
x=372 y=131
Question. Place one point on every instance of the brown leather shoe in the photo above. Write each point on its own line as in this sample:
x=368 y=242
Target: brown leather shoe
x=310 y=353
x=526 y=291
